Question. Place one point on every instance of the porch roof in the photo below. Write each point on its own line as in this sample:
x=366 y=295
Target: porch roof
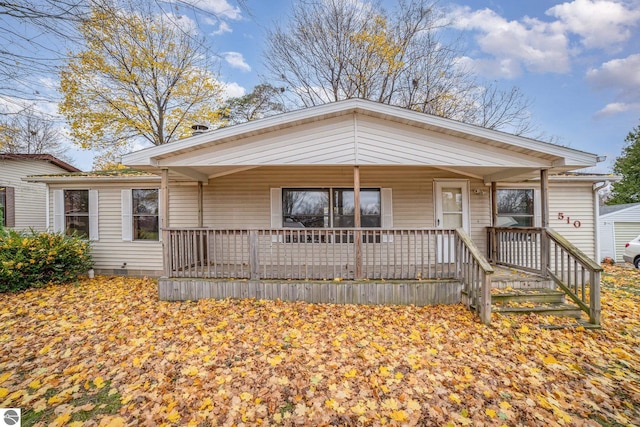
x=359 y=132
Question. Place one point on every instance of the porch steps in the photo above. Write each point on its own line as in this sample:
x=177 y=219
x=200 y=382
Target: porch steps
x=543 y=301
x=515 y=292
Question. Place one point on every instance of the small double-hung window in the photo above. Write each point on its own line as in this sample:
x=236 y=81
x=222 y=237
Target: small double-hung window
x=515 y=207
x=76 y=212
x=140 y=214
x=145 y=214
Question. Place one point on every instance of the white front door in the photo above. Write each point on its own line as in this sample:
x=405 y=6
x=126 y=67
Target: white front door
x=451 y=212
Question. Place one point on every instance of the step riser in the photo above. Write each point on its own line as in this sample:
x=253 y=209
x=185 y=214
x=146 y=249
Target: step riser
x=523 y=284
x=528 y=298
x=576 y=314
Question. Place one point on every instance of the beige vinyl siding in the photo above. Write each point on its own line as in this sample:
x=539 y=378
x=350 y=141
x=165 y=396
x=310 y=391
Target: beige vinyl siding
x=242 y=200
x=326 y=142
x=624 y=232
x=575 y=201
x=183 y=205
x=384 y=142
x=30 y=198
x=110 y=252
x=349 y=140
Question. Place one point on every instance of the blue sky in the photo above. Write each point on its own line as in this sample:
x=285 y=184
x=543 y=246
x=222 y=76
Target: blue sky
x=577 y=60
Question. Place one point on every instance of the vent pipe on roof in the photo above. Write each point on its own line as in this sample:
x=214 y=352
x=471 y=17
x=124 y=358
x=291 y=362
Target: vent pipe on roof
x=199 y=129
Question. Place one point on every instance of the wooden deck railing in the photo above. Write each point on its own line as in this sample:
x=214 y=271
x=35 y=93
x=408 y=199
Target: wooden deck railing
x=310 y=253
x=474 y=271
x=546 y=252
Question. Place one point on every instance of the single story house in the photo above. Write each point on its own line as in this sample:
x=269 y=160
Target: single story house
x=23 y=204
x=618 y=224
x=224 y=212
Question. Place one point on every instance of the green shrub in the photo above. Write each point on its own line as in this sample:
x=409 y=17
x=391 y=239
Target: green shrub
x=32 y=259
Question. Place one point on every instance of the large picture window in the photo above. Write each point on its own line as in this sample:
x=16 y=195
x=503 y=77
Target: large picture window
x=515 y=207
x=76 y=212
x=145 y=214
x=325 y=208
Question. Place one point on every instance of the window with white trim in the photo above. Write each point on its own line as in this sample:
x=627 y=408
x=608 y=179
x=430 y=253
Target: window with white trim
x=515 y=207
x=76 y=212
x=329 y=208
x=145 y=214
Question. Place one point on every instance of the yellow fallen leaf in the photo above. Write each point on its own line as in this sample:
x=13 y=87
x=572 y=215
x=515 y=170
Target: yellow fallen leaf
x=490 y=412
x=505 y=405
x=351 y=373
x=61 y=420
x=99 y=382
x=455 y=398
x=35 y=384
x=4 y=392
x=173 y=416
x=4 y=377
x=399 y=416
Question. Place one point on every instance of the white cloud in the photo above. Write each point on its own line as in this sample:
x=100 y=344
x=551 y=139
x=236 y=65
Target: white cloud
x=530 y=43
x=599 y=23
x=232 y=90
x=221 y=8
x=623 y=77
x=236 y=60
x=223 y=27
x=618 y=108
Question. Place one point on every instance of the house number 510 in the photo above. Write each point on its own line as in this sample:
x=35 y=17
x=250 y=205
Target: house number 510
x=576 y=223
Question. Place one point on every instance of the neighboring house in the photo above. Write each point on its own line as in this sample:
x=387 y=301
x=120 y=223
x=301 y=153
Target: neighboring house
x=24 y=203
x=618 y=225
x=274 y=199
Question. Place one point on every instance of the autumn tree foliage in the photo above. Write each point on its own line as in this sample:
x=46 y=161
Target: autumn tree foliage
x=338 y=49
x=140 y=76
x=628 y=165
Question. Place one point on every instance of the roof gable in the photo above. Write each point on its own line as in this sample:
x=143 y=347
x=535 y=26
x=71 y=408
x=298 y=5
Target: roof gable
x=358 y=132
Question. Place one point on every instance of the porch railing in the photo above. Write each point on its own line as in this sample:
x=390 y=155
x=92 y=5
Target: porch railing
x=319 y=254
x=474 y=271
x=546 y=252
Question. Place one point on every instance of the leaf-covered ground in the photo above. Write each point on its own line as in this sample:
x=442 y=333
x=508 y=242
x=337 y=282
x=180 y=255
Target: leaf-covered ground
x=107 y=352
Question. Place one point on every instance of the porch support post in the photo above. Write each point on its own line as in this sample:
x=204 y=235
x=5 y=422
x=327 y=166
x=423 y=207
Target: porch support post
x=357 y=221
x=200 y=197
x=164 y=222
x=544 y=197
x=544 y=215
x=494 y=221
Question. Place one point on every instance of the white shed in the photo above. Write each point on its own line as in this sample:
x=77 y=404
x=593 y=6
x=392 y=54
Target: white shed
x=618 y=225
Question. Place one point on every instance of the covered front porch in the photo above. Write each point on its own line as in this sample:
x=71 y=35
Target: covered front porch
x=361 y=202
x=375 y=266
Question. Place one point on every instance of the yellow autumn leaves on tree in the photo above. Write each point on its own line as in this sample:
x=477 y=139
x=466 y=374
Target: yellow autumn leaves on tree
x=106 y=352
x=140 y=75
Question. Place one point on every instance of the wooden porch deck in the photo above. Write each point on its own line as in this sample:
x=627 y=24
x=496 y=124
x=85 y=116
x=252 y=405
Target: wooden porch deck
x=375 y=266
